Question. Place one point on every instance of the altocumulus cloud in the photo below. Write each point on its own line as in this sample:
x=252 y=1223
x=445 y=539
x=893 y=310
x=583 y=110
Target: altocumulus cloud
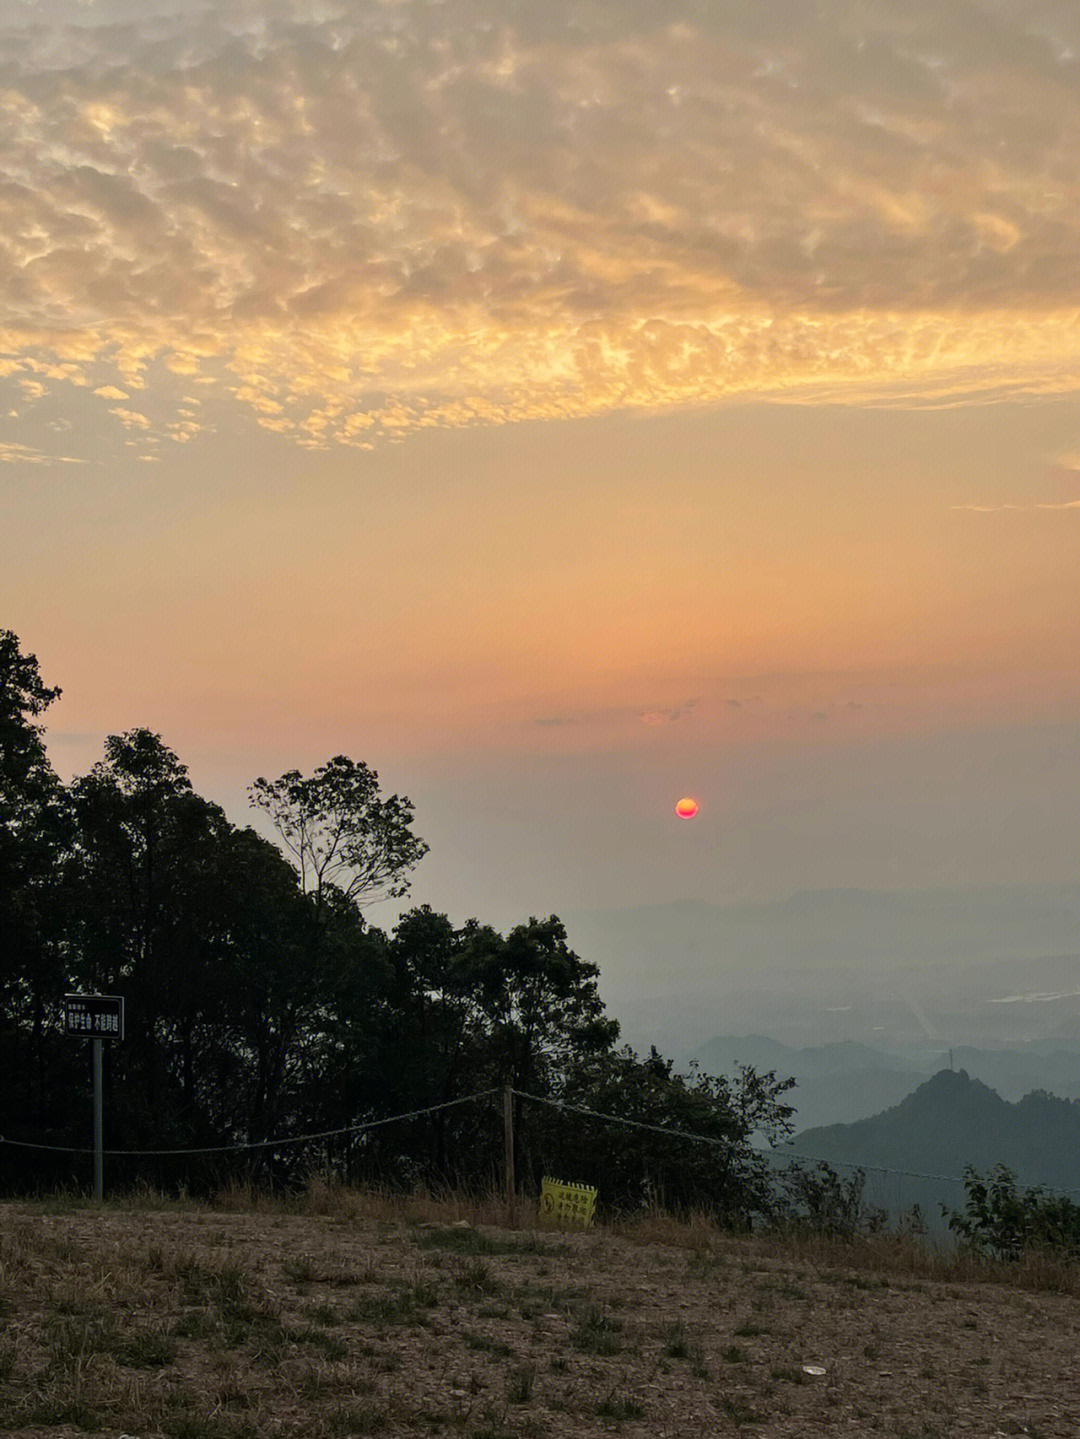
x=362 y=218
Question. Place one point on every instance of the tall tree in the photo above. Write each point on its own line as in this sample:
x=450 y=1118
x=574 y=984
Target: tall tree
x=34 y=835
x=24 y=697
x=125 y=808
x=202 y=927
x=132 y=811
x=541 y=1010
x=540 y=1000
x=341 y=832
x=432 y=1031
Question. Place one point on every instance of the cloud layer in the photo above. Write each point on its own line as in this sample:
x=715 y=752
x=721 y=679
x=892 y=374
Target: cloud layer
x=358 y=219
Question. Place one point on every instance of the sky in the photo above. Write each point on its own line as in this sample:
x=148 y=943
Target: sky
x=562 y=408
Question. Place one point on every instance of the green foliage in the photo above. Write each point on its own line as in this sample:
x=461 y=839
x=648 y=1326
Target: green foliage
x=819 y=1201
x=1003 y=1221
x=708 y=1164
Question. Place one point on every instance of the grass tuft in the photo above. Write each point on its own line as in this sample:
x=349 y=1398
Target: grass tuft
x=358 y=1419
x=619 y=1410
x=519 y=1390
x=596 y=1333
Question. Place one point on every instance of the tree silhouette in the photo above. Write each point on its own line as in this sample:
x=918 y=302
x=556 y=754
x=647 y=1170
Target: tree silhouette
x=341 y=832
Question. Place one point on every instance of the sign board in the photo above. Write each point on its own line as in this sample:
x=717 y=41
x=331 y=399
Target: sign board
x=94 y=1016
x=567 y=1203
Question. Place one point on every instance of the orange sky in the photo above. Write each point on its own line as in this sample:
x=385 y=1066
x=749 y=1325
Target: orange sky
x=562 y=415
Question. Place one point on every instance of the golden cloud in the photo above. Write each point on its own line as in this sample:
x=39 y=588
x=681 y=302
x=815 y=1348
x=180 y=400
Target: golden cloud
x=378 y=217
x=130 y=419
x=15 y=454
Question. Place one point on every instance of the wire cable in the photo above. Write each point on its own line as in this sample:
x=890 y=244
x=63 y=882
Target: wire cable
x=259 y=1143
x=765 y=1153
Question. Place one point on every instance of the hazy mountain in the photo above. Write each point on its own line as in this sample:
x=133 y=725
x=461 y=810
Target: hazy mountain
x=979 y=967
x=844 y=1082
x=949 y=1121
x=844 y=1098
x=724 y=1054
x=1016 y=1072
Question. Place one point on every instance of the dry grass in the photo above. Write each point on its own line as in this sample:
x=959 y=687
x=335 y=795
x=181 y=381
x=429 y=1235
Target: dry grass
x=341 y=1313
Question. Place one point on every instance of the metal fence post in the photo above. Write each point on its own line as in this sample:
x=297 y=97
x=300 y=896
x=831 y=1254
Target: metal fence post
x=508 y=1140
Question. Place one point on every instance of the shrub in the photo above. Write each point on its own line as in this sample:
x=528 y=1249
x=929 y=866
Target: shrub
x=1004 y=1221
x=818 y=1201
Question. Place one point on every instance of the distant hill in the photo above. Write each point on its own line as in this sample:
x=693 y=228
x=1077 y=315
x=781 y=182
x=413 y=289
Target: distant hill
x=723 y=1054
x=949 y=1121
x=1016 y=1072
x=844 y=1082
x=835 y=1083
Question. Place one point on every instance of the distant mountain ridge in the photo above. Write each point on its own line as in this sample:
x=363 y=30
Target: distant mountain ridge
x=723 y=1054
x=844 y=1082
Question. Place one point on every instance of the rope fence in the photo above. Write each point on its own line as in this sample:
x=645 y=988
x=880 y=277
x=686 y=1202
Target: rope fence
x=773 y=1154
x=259 y=1143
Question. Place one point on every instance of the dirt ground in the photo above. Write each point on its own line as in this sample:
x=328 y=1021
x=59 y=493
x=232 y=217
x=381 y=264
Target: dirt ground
x=201 y=1324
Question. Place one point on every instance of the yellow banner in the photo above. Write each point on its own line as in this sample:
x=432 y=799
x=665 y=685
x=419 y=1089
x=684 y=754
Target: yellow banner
x=567 y=1203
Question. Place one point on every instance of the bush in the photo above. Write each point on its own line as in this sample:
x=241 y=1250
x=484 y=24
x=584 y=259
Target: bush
x=1004 y=1222
x=818 y=1201
x=684 y=1144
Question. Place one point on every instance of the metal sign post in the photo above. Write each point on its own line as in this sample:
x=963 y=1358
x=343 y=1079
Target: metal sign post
x=508 y=1143
x=99 y=1128
x=97 y=1017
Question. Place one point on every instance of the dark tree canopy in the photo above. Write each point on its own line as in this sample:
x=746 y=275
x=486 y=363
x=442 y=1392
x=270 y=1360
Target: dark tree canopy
x=24 y=697
x=127 y=810
x=35 y=835
x=29 y=789
x=139 y=765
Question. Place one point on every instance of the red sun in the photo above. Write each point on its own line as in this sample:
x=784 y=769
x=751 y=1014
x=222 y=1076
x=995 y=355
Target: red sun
x=686 y=808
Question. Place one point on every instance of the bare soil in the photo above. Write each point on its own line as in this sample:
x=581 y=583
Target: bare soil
x=199 y=1323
